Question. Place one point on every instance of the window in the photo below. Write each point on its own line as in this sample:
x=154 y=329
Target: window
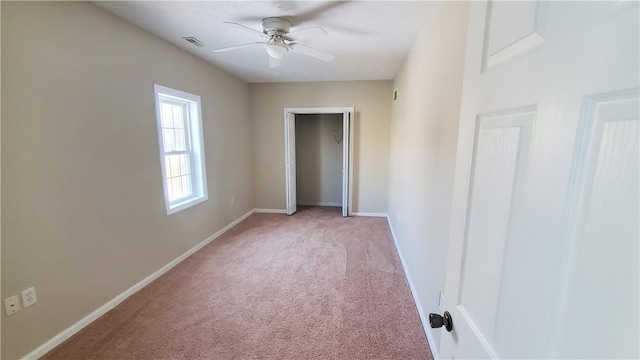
x=179 y=120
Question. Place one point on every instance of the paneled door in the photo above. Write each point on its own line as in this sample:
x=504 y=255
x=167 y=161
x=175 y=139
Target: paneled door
x=543 y=252
x=290 y=162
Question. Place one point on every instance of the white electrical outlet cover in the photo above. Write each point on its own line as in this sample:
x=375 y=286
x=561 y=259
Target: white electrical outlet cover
x=11 y=305
x=29 y=297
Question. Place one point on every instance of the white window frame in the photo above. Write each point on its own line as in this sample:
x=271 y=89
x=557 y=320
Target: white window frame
x=196 y=152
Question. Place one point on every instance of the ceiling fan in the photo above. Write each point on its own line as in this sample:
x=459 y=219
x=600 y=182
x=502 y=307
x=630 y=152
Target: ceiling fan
x=279 y=41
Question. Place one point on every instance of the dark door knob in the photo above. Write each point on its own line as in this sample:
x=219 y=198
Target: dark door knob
x=437 y=321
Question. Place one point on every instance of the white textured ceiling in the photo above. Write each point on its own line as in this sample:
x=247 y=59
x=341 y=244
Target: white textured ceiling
x=369 y=39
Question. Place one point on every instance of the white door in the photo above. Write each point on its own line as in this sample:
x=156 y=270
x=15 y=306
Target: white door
x=345 y=163
x=543 y=251
x=290 y=164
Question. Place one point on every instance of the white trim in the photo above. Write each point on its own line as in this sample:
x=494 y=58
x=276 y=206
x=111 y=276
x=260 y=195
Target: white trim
x=346 y=162
x=320 y=203
x=320 y=110
x=73 y=329
x=195 y=149
x=416 y=299
x=348 y=122
x=270 y=211
x=370 y=214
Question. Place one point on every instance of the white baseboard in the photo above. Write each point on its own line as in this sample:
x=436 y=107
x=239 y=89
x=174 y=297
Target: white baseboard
x=416 y=299
x=270 y=211
x=73 y=329
x=319 y=203
x=359 y=213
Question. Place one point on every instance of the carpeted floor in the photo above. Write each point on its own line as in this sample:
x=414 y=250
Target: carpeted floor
x=309 y=286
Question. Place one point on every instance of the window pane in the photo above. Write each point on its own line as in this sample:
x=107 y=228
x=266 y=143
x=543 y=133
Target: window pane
x=177 y=188
x=178 y=117
x=167 y=115
x=181 y=142
x=179 y=179
x=184 y=164
x=170 y=190
x=167 y=167
x=174 y=164
x=186 y=185
x=168 y=136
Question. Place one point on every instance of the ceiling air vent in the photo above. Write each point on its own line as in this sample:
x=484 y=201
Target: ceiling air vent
x=193 y=40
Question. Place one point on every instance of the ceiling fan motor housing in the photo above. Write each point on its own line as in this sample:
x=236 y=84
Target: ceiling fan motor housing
x=276 y=26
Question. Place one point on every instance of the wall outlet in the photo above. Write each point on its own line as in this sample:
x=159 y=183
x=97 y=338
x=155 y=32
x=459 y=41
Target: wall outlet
x=233 y=200
x=11 y=305
x=29 y=297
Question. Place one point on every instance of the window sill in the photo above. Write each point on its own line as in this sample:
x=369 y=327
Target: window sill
x=185 y=204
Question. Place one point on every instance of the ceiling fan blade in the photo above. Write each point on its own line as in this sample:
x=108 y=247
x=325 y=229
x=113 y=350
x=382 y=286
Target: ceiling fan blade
x=274 y=63
x=306 y=33
x=235 y=47
x=321 y=55
x=246 y=28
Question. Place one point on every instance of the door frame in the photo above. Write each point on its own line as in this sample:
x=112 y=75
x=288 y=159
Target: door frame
x=347 y=154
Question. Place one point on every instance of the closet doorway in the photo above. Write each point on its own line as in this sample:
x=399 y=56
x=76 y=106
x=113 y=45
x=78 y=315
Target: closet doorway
x=344 y=140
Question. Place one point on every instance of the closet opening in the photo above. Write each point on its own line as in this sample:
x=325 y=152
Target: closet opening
x=318 y=157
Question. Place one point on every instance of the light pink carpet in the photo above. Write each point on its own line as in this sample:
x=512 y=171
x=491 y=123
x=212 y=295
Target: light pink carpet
x=309 y=286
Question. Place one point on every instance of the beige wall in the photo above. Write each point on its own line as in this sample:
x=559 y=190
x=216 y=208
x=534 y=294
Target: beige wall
x=372 y=102
x=424 y=131
x=319 y=159
x=83 y=217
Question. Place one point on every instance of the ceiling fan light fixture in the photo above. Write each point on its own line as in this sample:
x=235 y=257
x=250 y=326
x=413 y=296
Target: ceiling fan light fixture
x=278 y=42
x=276 y=50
